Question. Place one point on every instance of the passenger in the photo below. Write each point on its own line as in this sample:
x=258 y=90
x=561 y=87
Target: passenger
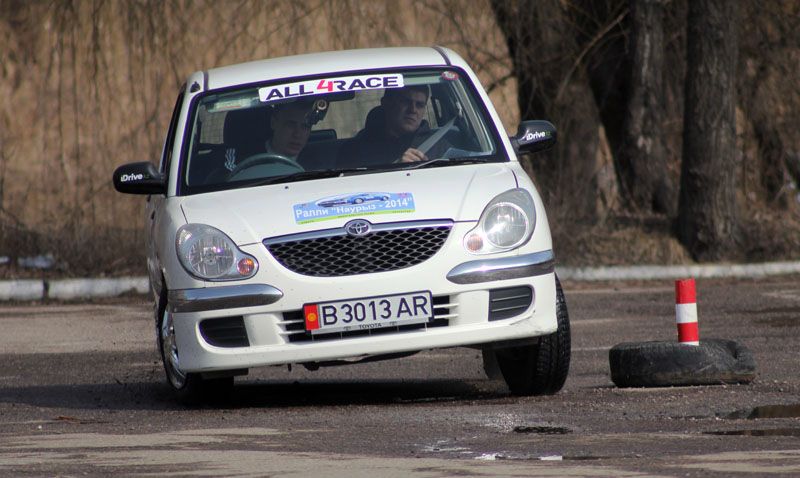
x=394 y=135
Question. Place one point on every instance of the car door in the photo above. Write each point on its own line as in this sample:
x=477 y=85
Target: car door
x=155 y=202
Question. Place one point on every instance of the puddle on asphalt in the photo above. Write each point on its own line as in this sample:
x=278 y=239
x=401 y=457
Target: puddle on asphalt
x=766 y=411
x=772 y=432
x=542 y=430
x=513 y=457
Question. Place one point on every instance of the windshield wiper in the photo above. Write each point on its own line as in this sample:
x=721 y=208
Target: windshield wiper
x=305 y=175
x=433 y=163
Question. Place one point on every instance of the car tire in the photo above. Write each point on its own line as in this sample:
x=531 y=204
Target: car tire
x=188 y=388
x=665 y=364
x=540 y=368
x=357 y=201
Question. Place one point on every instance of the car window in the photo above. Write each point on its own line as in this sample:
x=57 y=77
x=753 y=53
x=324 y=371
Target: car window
x=364 y=122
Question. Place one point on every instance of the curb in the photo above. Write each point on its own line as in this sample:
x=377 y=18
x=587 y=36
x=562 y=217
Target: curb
x=678 y=272
x=21 y=290
x=73 y=289
x=69 y=289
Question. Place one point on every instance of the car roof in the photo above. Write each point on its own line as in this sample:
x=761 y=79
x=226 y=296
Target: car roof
x=327 y=62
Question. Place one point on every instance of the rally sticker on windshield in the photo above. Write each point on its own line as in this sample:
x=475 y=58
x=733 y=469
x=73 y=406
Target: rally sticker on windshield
x=358 y=204
x=269 y=94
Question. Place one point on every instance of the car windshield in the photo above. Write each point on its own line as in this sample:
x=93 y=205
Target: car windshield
x=340 y=124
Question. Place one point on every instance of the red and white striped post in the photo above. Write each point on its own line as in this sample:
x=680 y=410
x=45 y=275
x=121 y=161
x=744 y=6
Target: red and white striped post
x=686 y=312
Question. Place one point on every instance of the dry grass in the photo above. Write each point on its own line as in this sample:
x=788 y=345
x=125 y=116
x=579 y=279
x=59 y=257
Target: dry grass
x=765 y=236
x=618 y=242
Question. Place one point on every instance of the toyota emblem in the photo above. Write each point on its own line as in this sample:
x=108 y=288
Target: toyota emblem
x=357 y=227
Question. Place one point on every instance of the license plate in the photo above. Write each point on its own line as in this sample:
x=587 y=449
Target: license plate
x=368 y=313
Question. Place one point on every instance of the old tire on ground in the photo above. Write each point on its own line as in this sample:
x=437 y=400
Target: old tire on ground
x=663 y=364
x=540 y=368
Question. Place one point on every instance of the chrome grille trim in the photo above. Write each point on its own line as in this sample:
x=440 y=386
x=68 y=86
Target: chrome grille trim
x=340 y=231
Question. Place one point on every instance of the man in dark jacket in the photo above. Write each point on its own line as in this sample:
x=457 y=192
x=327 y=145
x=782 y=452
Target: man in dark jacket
x=393 y=131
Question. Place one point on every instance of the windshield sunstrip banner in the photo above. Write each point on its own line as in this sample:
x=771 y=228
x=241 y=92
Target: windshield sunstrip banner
x=350 y=205
x=329 y=85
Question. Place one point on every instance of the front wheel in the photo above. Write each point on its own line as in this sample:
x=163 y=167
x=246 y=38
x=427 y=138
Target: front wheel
x=540 y=368
x=189 y=388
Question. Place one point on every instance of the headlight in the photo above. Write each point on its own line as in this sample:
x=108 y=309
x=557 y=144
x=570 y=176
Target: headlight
x=207 y=253
x=506 y=223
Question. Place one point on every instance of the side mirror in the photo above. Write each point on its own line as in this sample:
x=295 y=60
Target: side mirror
x=139 y=178
x=534 y=135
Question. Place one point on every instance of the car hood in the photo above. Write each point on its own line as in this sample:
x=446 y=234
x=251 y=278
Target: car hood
x=249 y=215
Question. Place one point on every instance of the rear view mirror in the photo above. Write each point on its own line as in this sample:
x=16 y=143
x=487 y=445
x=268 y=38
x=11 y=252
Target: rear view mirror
x=139 y=178
x=534 y=135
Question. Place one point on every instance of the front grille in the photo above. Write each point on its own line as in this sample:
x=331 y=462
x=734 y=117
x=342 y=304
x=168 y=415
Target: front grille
x=225 y=332
x=333 y=253
x=294 y=325
x=508 y=302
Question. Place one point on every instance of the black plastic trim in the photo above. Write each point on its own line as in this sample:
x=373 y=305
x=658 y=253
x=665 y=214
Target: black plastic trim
x=226 y=332
x=509 y=302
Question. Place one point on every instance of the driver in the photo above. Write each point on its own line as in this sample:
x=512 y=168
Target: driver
x=291 y=126
x=393 y=136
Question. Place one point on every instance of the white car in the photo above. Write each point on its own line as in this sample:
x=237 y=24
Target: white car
x=404 y=223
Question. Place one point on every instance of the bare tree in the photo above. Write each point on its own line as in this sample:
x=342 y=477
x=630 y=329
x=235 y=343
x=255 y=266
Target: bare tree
x=552 y=84
x=707 y=221
x=769 y=55
x=642 y=159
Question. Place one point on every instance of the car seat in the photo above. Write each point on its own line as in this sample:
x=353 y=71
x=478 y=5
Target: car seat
x=244 y=133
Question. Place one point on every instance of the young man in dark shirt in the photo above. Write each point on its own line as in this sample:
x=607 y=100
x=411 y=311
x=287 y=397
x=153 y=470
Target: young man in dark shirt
x=393 y=132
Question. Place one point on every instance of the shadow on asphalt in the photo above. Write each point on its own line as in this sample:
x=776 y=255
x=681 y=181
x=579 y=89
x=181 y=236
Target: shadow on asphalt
x=307 y=393
x=371 y=392
x=135 y=381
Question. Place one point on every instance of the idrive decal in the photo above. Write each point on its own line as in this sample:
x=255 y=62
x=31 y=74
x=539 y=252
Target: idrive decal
x=131 y=177
x=356 y=204
x=329 y=85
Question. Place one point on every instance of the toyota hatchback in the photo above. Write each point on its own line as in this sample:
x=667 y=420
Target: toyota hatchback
x=337 y=207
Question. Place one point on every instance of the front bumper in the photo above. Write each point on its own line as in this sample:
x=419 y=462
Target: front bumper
x=269 y=314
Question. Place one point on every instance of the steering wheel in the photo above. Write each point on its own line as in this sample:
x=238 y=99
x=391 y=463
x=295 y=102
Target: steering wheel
x=264 y=158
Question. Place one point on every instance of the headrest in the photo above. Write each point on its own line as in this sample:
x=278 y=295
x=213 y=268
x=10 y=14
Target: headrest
x=375 y=119
x=247 y=128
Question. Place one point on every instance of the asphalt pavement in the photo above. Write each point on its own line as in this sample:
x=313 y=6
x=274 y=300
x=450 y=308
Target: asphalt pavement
x=82 y=393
